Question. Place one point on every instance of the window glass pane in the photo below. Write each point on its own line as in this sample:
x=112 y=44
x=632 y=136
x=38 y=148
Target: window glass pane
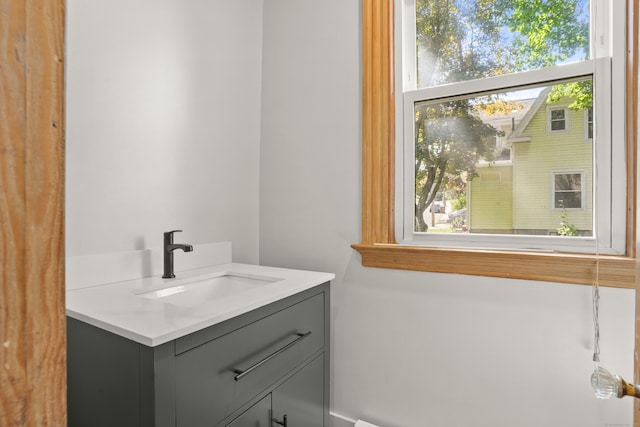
x=568 y=191
x=568 y=200
x=458 y=40
x=589 y=130
x=487 y=164
x=558 y=120
x=568 y=182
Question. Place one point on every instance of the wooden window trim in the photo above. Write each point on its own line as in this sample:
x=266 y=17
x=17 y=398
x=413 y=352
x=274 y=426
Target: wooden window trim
x=379 y=248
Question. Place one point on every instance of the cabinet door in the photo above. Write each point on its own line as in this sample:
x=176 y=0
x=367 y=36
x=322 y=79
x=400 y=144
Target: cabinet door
x=301 y=397
x=259 y=415
x=208 y=383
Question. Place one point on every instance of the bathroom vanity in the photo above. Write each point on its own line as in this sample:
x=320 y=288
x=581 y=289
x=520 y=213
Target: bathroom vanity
x=256 y=358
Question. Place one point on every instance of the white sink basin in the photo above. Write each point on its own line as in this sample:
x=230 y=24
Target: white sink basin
x=196 y=292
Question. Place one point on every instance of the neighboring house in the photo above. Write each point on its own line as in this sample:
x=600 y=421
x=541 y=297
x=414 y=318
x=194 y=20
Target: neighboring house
x=543 y=168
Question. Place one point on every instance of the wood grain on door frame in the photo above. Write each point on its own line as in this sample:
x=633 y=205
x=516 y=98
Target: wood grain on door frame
x=32 y=308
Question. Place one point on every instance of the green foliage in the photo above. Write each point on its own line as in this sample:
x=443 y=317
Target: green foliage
x=460 y=39
x=581 y=94
x=566 y=228
x=546 y=32
x=460 y=202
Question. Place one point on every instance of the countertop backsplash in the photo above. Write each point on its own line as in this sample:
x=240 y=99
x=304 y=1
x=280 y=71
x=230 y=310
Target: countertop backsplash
x=92 y=270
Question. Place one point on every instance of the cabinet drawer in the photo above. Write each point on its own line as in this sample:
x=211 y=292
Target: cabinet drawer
x=216 y=378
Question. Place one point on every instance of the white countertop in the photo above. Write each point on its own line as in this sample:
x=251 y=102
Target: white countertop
x=119 y=308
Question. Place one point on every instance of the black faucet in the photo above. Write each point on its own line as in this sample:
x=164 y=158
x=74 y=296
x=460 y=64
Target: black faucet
x=169 y=247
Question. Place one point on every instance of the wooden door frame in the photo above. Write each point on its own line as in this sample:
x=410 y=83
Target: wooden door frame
x=32 y=305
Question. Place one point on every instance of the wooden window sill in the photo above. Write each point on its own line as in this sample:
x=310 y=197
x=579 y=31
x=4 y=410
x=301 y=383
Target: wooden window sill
x=614 y=271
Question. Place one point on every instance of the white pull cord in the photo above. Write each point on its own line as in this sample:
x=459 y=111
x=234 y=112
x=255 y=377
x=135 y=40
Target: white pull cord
x=596 y=319
x=595 y=296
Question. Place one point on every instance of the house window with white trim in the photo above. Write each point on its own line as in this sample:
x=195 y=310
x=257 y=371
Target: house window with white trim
x=588 y=124
x=567 y=190
x=558 y=119
x=475 y=72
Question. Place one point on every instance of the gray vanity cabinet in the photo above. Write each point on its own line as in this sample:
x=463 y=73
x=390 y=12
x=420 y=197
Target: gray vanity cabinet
x=258 y=415
x=252 y=370
x=295 y=400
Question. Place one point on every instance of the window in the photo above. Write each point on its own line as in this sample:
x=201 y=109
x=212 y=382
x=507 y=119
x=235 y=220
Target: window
x=567 y=190
x=381 y=246
x=588 y=123
x=474 y=73
x=558 y=119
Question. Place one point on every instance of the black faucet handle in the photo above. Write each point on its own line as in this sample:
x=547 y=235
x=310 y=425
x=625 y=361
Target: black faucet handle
x=168 y=236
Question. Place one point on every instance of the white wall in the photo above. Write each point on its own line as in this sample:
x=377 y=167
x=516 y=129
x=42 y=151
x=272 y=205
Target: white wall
x=411 y=349
x=163 y=122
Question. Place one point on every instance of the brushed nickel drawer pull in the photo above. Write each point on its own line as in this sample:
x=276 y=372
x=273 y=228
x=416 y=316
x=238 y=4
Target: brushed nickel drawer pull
x=241 y=374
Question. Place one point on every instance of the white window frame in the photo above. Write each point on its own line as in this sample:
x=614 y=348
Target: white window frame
x=608 y=71
x=567 y=119
x=582 y=189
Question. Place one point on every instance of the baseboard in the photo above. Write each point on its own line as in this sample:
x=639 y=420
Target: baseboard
x=338 y=420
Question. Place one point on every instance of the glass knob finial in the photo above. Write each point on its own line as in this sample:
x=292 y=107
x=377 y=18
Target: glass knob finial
x=605 y=384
